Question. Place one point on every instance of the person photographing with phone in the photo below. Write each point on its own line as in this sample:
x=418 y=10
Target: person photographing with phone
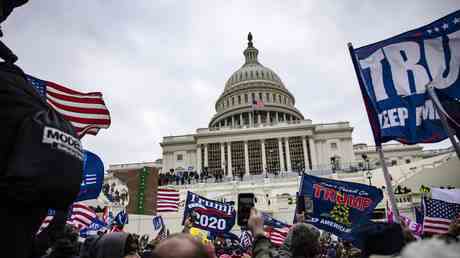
x=301 y=241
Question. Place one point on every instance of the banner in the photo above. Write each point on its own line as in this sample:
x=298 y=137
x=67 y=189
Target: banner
x=338 y=206
x=141 y=190
x=93 y=229
x=393 y=76
x=210 y=215
x=414 y=227
x=121 y=218
x=93 y=177
x=272 y=222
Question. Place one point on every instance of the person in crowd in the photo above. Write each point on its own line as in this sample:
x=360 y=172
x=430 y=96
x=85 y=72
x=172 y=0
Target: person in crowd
x=112 y=245
x=177 y=178
x=181 y=246
x=65 y=245
x=301 y=241
x=197 y=177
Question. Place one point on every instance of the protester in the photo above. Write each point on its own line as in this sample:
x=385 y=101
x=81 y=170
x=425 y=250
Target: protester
x=112 y=245
x=302 y=240
x=181 y=246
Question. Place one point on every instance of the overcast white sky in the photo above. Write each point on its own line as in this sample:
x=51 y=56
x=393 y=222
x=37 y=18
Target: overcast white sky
x=161 y=65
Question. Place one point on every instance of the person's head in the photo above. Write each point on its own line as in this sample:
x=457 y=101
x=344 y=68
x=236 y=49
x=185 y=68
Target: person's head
x=304 y=240
x=112 y=245
x=65 y=244
x=431 y=248
x=180 y=246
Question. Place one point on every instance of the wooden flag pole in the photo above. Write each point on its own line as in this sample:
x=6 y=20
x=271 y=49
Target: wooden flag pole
x=442 y=115
x=389 y=187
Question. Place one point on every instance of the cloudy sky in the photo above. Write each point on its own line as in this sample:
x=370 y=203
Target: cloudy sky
x=162 y=64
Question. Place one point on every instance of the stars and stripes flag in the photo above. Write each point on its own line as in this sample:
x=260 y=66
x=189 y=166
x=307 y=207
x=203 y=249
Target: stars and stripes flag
x=439 y=214
x=246 y=239
x=85 y=111
x=81 y=216
x=257 y=104
x=276 y=230
x=167 y=200
x=277 y=235
x=46 y=221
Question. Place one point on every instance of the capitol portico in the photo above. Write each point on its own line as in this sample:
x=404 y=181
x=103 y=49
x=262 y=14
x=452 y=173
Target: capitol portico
x=257 y=129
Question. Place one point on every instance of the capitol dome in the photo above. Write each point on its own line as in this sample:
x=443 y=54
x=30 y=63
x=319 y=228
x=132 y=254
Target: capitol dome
x=254 y=95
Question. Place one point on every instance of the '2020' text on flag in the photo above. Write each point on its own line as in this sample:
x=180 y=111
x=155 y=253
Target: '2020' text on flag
x=393 y=76
x=85 y=111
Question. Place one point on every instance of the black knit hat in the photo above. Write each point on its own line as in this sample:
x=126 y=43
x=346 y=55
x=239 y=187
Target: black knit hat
x=379 y=238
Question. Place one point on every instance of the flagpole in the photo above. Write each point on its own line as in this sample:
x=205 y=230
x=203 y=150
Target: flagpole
x=378 y=144
x=389 y=187
x=442 y=115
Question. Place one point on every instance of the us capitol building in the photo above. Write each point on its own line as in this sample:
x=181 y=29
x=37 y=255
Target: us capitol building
x=257 y=129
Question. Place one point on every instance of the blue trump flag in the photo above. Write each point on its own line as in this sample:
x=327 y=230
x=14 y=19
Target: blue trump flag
x=93 y=177
x=121 y=218
x=210 y=215
x=158 y=223
x=393 y=75
x=272 y=222
x=338 y=206
x=93 y=228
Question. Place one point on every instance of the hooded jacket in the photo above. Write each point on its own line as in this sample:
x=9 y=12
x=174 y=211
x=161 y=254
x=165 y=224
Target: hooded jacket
x=112 y=245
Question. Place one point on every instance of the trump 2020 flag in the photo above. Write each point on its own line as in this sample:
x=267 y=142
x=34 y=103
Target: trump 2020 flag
x=338 y=206
x=210 y=215
x=93 y=177
x=393 y=75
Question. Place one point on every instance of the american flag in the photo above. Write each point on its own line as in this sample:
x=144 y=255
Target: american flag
x=47 y=220
x=85 y=111
x=159 y=226
x=81 y=215
x=257 y=104
x=438 y=215
x=246 y=239
x=277 y=235
x=167 y=200
x=276 y=230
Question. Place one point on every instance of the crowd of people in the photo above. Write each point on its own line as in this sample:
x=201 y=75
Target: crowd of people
x=115 y=195
x=189 y=177
x=303 y=240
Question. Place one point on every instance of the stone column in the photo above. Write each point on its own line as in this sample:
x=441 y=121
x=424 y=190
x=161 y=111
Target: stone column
x=233 y=121
x=314 y=161
x=280 y=151
x=284 y=115
x=277 y=119
x=241 y=120
x=264 y=157
x=268 y=117
x=198 y=159
x=205 y=155
x=229 y=159
x=222 y=155
x=250 y=119
x=225 y=122
x=246 y=158
x=288 y=155
x=305 y=152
